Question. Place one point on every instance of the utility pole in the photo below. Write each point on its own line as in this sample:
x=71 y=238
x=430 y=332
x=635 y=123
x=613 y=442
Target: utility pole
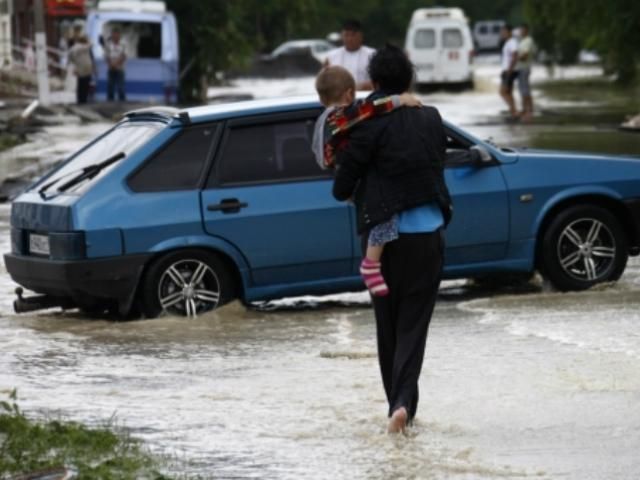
x=42 y=67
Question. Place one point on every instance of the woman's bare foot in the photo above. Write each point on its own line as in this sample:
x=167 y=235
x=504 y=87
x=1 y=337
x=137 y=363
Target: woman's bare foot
x=398 y=421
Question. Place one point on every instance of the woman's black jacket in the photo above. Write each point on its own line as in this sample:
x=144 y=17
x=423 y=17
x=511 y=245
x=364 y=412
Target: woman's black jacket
x=393 y=163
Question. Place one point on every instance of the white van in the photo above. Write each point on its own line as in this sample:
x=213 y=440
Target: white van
x=150 y=36
x=440 y=46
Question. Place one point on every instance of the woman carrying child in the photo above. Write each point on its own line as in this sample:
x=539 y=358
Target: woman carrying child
x=391 y=166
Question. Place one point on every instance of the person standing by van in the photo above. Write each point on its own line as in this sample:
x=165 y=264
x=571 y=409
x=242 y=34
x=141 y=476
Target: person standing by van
x=509 y=73
x=83 y=66
x=353 y=55
x=526 y=52
x=116 y=56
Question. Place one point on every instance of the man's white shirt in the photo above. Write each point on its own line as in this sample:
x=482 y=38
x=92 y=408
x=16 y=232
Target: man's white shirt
x=510 y=47
x=356 y=62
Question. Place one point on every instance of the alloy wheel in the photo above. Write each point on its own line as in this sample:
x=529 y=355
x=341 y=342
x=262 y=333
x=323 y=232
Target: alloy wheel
x=586 y=249
x=188 y=287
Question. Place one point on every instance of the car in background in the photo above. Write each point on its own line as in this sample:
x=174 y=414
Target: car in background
x=439 y=43
x=182 y=211
x=318 y=48
x=486 y=34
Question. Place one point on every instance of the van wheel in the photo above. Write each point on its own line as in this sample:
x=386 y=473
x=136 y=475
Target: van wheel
x=185 y=283
x=583 y=246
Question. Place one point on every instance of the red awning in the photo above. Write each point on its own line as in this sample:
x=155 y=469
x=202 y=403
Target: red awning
x=65 y=8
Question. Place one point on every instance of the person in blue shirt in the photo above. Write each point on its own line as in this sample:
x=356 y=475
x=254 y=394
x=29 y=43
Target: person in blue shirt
x=393 y=167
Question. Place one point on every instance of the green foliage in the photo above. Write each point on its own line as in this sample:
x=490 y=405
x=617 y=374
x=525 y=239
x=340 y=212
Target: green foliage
x=97 y=453
x=218 y=34
x=612 y=27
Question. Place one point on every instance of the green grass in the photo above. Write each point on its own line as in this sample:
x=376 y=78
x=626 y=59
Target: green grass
x=596 y=89
x=28 y=445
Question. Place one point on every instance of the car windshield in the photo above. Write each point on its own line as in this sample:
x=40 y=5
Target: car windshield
x=124 y=138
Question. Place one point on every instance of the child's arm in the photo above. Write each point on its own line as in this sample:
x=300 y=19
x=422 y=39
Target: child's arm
x=343 y=119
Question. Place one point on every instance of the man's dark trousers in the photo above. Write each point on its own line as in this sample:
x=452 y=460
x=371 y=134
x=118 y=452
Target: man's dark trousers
x=115 y=81
x=412 y=268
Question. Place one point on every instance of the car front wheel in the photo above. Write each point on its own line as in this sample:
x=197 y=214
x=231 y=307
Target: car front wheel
x=185 y=283
x=583 y=246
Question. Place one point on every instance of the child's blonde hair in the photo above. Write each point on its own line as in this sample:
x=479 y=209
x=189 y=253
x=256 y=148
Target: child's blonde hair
x=332 y=82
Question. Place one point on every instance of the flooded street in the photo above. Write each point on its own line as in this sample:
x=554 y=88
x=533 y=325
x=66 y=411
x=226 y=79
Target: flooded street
x=517 y=383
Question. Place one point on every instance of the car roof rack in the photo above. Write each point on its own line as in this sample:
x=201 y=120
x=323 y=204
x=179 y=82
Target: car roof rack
x=164 y=113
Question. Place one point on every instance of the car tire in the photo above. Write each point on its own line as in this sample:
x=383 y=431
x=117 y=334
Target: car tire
x=168 y=284
x=583 y=246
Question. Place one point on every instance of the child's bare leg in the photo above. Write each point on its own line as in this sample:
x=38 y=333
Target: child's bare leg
x=374 y=252
x=371 y=272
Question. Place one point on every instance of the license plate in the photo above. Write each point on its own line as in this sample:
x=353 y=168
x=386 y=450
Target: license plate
x=425 y=66
x=39 y=244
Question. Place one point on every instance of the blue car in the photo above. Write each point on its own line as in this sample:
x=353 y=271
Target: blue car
x=182 y=211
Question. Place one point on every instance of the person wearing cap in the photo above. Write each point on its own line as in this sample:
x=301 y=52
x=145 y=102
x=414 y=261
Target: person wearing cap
x=353 y=55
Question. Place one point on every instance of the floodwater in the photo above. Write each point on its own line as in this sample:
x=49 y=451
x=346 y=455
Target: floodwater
x=517 y=383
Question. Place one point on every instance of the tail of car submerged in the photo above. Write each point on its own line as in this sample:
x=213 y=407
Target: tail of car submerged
x=183 y=211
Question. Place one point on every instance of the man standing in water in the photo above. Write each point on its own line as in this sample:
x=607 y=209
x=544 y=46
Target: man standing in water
x=526 y=51
x=353 y=55
x=509 y=73
x=115 y=54
x=393 y=165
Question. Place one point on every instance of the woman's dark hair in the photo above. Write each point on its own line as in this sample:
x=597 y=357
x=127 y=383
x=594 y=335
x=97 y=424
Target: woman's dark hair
x=391 y=70
x=352 y=25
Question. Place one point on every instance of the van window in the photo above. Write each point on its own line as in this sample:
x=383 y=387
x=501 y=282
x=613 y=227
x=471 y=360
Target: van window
x=179 y=165
x=267 y=153
x=483 y=30
x=496 y=28
x=140 y=39
x=424 y=38
x=452 y=38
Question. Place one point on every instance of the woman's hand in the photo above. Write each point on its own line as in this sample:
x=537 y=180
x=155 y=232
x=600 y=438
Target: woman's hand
x=409 y=100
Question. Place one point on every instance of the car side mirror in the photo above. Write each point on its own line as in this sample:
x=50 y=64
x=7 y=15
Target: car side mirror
x=480 y=155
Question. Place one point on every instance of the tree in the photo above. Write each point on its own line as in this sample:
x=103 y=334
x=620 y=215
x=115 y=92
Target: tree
x=612 y=27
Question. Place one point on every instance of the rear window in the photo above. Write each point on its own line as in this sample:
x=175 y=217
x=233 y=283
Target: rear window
x=125 y=138
x=140 y=39
x=424 y=38
x=452 y=38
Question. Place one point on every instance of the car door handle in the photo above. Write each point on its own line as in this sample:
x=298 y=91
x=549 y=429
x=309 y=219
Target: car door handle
x=228 y=205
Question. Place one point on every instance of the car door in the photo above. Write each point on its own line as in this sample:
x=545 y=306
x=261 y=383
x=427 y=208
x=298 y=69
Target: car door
x=267 y=196
x=479 y=230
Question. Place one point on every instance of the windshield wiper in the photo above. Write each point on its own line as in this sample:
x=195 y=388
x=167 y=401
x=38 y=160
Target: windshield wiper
x=84 y=174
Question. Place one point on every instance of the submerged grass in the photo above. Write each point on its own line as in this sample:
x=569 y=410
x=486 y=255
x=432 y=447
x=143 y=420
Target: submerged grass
x=95 y=453
x=602 y=90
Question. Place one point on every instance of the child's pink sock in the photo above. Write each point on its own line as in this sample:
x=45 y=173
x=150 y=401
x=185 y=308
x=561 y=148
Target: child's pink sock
x=373 y=279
